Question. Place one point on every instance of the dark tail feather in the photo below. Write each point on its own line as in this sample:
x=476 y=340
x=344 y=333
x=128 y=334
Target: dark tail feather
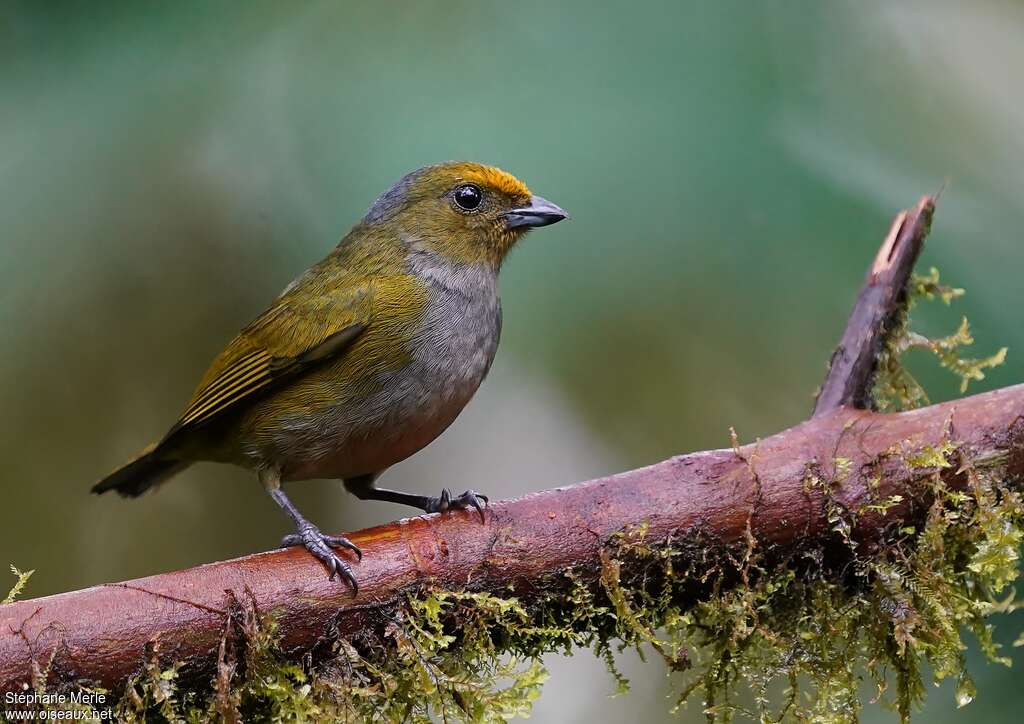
x=141 y=474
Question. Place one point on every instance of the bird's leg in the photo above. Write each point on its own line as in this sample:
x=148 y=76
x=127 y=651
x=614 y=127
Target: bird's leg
x=308 y=535
x=363 y=488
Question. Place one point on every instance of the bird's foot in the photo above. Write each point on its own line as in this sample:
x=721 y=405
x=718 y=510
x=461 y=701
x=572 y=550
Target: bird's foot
x=469 y=499
x=310 y=537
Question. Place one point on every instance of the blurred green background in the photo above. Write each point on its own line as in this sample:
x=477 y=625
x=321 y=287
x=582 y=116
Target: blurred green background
x=731 y=167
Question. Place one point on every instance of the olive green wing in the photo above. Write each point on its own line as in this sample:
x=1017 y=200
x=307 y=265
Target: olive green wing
x=298 y=332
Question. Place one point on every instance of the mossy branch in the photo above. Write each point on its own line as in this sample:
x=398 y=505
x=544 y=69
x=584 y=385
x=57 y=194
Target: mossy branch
x=858 y=542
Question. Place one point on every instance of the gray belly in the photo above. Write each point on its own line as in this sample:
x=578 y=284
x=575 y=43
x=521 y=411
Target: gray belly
x=450 y=356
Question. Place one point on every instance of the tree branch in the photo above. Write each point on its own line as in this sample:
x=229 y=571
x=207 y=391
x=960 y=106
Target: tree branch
x=881 y=301
x=727 y=498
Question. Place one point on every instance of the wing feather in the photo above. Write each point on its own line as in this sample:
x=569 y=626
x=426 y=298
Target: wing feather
x=233 y=384
x=297 y=332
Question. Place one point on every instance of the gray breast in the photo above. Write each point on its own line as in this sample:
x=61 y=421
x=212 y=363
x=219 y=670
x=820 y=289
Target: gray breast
x=451 y=353
x=459 y=336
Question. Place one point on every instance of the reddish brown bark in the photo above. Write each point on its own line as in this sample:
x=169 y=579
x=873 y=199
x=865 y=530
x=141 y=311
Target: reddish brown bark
x=100 y=635
x=879 y=304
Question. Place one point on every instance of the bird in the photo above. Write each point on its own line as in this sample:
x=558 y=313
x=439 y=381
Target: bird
x=365 y=358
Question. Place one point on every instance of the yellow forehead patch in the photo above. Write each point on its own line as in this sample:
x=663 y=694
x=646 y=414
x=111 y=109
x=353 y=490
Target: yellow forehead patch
x=493 y=178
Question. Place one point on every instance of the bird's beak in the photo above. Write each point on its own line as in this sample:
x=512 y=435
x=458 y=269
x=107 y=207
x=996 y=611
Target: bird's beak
x=539 y=212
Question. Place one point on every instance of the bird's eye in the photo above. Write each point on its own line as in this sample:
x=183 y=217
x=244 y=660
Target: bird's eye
x=468 y=197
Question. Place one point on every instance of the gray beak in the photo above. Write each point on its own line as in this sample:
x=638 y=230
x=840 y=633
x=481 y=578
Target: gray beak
x=539 y=212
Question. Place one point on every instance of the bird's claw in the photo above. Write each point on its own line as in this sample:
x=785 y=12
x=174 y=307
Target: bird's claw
x=337 y=541
x=469 y=499
x=310 y=537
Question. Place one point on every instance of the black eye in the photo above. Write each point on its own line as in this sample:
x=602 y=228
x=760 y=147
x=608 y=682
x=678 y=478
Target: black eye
x=468 y=197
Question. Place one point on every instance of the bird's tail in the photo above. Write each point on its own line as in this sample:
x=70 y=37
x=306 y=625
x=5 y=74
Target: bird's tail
x=136 y=477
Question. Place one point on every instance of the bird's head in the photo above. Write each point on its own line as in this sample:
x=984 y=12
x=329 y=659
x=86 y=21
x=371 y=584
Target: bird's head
x=468 y=212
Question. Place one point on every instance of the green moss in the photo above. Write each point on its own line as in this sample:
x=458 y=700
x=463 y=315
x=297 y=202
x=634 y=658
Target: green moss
x=19 y=586
x=895 y=388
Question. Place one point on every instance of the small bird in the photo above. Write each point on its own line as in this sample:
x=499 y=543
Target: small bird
x=366 y=357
